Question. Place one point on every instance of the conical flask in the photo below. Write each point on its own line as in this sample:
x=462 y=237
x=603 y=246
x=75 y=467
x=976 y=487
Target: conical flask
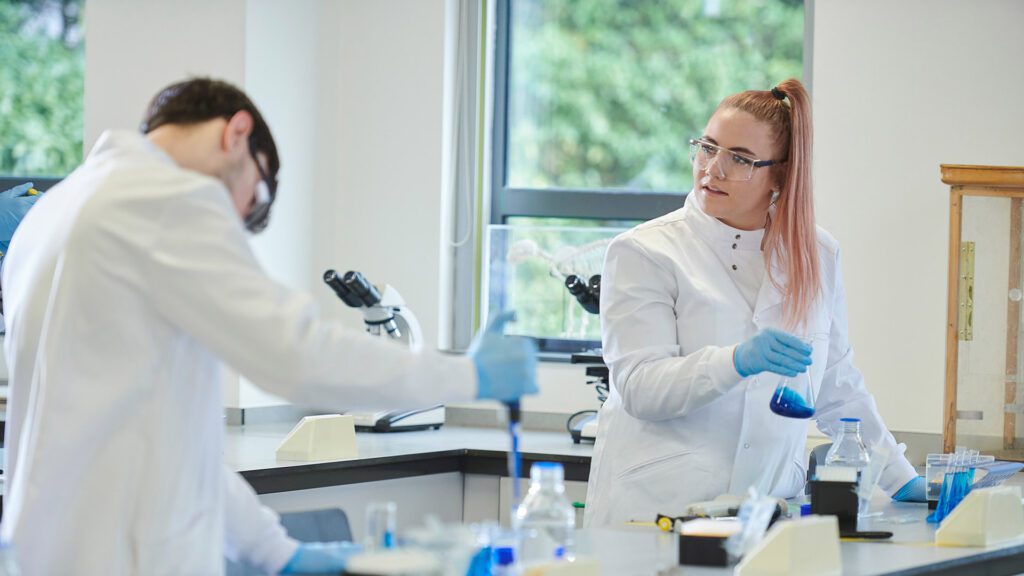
x=794 y=397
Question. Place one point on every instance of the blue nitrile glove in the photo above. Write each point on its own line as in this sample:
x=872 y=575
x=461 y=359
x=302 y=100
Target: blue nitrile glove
x=321 y=557
x=913 y=491
x=14 y=204
x=772 y=350
x=506 y=366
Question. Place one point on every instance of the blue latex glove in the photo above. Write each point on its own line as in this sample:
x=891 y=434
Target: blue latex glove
x=506 y=366
x=14 y=204
x=772 y=350
x=913 y=491
x=321 y=557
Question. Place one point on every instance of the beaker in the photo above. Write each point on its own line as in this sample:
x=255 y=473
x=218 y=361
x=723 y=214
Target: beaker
x=794 y=397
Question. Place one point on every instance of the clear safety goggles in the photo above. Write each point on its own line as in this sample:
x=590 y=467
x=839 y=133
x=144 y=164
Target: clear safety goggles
x=727 y=165
x=266 y=190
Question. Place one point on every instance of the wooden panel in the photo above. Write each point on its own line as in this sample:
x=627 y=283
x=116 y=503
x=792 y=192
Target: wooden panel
x=996 y=176
x=992 y=191
x=952 y=314
x=1012 y=321
x=992 y=181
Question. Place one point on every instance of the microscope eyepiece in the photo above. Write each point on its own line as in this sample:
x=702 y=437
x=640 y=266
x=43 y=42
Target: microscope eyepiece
x=587 y=295
x=361 y=287
x=575 y=286
x=595 y=286
x=331 y=279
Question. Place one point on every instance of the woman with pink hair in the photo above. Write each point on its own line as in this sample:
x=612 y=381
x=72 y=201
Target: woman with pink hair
x=704 y=311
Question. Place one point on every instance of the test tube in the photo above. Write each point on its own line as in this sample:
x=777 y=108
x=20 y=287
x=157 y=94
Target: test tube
x=380 y=525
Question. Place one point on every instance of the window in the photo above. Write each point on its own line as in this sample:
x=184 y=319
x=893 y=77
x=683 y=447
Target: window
x=42 y=79
x=594 y=104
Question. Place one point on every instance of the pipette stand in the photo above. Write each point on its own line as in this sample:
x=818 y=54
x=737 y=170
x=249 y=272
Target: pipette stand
x=326 y=437
x=987 y=516
x=808 y=546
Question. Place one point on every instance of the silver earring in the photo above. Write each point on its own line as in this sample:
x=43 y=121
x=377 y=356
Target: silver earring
x=775 y=196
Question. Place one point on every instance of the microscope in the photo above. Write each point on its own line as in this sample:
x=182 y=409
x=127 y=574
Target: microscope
x=583 y=424
x=385 y=315
x=381 y=310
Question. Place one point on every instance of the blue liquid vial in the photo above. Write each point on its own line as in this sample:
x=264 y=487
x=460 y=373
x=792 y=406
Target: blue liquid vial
x=794 y=398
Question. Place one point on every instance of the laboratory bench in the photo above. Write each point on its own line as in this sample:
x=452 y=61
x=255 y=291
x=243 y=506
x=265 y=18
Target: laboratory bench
x=457 y=474
x=647 y=551
x=250 y=449
x=461 y=475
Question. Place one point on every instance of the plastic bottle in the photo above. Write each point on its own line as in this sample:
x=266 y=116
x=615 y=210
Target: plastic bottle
x=848 y=449
x=546 y=519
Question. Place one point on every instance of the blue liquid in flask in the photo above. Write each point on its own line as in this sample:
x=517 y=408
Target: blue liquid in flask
x=786 y=402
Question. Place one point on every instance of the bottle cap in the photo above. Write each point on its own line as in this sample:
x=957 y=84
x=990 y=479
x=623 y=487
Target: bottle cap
x=546 y=471
x=504 y=556
x=547 y=465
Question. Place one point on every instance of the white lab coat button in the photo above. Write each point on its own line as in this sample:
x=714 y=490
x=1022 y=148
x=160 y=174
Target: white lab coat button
x=746 y=445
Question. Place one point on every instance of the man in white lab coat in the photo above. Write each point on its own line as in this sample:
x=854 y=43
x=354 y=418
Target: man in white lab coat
x=125 y=288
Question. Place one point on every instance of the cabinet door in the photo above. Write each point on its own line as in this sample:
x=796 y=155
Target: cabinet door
x=988 y=326
x=438 y=495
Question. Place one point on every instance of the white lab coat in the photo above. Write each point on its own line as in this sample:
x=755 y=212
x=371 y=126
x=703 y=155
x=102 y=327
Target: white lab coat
x=680 y=424
x=124 y=288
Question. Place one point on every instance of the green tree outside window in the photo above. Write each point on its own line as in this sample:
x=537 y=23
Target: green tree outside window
x=603 y=94
x=42 y=81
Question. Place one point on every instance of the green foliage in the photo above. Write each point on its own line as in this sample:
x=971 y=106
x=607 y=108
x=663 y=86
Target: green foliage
x=42 y=81
x=606 y=93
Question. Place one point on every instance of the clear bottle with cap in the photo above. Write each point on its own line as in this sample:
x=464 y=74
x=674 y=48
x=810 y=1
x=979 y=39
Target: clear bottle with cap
x=848 y=447
x=546 y=520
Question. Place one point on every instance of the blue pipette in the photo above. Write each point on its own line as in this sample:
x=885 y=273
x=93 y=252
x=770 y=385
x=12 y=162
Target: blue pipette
x=514 y=461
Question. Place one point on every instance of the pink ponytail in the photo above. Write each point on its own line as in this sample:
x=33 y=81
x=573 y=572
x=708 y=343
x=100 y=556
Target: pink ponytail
x=791 y=238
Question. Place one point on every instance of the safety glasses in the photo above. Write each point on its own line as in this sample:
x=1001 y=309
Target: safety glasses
x=729 y=165
x=266 y=191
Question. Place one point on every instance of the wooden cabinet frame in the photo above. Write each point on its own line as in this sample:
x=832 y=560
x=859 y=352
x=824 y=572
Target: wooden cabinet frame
x=1003 y=182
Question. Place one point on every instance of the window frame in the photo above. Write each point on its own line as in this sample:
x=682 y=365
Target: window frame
x=595 y=204
x=591 y=203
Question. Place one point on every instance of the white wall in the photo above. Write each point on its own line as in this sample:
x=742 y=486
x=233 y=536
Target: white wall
x=900 y=87
x=353 y=93
x=379 y=180
x=133 y=48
